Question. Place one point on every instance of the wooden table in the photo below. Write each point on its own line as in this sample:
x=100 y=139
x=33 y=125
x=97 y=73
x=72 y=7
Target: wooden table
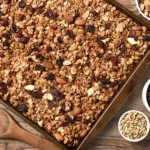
x=109 y=138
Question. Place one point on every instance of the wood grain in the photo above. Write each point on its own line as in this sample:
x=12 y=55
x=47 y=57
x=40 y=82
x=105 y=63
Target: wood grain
x=109 y=138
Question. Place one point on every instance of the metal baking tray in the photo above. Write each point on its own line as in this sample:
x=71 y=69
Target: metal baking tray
x=116 y=102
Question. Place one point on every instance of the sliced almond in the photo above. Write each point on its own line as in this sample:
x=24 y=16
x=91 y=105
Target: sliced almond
x=80 y=22
x=76 y=111
x=48 y=64
x=83 y=133
x=58 y=136
x=29 y=87
x=68 y=18
x=61 y=81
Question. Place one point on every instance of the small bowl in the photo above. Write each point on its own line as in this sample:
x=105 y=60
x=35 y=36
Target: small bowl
x=144 y=95
x=148 y=126
x=137 y=5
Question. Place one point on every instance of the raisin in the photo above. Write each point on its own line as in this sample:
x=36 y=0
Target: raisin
x=60 y=40
x=2 y=54
x=51 y=14
x=104 y=80
x=22 y=4
x=22 y=108
x=6 y=45
x=23 y=40
x=14 y=28
x=91 y=28
x=146 y=38
x=70 y=34
x=114 y=60
x=51 y=105
x=107 y=26
x=37 y=94
x=58 y=95
x=5 y=22
x=8 y=1
x=50 y=77
x=60 y=62
x=40 y=68
x=3 y=87
x=64 y=124
x=49 y=49
x=86 y=121
x=69 y=119
x=6 y=35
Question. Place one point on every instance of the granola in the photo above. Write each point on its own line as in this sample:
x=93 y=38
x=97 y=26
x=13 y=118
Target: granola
x=62 y=61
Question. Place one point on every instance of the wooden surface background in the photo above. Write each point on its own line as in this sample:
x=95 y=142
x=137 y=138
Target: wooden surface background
x=109 y=138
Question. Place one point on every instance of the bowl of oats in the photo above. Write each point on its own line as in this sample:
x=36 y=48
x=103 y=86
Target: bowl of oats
x=146 y=95
x=134 y=126
x=144 y=8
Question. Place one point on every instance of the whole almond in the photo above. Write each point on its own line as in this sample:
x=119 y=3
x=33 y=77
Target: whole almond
x=58 y=136
x=80 y=22
x=68 y=18
x=83 y=133
x=136 y=28
x=61 y=81
x=48 y=64
x=76 y=111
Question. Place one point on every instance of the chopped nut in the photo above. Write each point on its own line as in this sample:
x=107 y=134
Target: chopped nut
x=80 y=22
x=61 y=81
x=73 y=70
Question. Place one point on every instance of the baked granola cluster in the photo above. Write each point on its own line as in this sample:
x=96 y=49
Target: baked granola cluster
x=62 y=61
x=145 y=7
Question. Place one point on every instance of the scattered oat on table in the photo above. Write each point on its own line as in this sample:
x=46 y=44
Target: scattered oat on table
x=62 y=61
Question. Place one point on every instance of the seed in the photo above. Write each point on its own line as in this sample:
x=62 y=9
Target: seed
x=67 y=63
x=90 y=91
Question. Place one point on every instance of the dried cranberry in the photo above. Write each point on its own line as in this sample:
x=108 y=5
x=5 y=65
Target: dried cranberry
x=14 y=28
x=6 y=45
x=3 y=87
x=64 y=124
x=86 y=121
x=50 y=77
x=22 y=17
x=104 y=80
x=6 y=35
x=8 y=1
x=114 y=60
x=5 y=22
x=70 y=34
x=40 y=68
x=107 y=26
x=60 y=40
x=2 y=54
x=63 y=108
x=95 y=13
x=48 y=49
x=78 y=118
x=59 y=96
x=22 y=4
x=60 y=62
x=69 y=119
x=77 y=14
x=51 y=105
x=19 y=34
x=23 y=40
x=37 y=94
x=146 y=38
x=22 y=108
x=90 y=28
x=135 y=48
x=100 y=55
x=1 y=13
x=40 y=10
x=135 y=38
x=51 y=14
